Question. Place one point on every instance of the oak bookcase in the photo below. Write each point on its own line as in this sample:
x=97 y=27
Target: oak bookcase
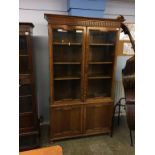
x=82 y=67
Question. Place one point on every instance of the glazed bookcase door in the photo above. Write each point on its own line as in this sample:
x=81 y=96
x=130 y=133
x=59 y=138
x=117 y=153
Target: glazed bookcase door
x=100 y=62
x=26 y=117
x=67 y=65
x=25 y=80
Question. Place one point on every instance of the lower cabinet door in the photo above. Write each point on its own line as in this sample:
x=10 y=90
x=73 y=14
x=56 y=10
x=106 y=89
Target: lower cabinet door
x=26 y=122
x=98 y=117
x=66 y=121
x=28 y=141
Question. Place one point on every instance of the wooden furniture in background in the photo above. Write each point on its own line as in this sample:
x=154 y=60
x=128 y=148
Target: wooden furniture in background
x=28 y=119
x=82 y=69
x=52 y=150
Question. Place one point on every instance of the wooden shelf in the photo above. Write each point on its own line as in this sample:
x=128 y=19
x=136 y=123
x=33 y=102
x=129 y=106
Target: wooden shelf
x=25 y=74
x=99 y=100
x=25 y=81
x=67 y=44
x=26 y=113
x=102 y=44
x=67 y=101
x=23 y=55
x=101 y=62
x=66 y=63
x=26 y=96
x=67 y=78
x=22 y=50
x=99 y=77
x=28 y=133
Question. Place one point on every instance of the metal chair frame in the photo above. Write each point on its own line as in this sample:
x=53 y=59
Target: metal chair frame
x=119 y=105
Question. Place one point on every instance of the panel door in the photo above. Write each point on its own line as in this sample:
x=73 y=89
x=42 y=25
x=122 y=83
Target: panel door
x=26 y=122
x=98 y=117
x=28 y=141
x=66 y=121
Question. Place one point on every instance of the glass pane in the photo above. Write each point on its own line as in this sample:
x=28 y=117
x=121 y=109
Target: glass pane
x=67 y=58
x=25 y=104
x=100 y=63
x=67 y=36
x=23 y=64
x=67 y=89
x=67 y=53
x=101 y=53
x=26 y=121
x=25 y=90
x=22 y=45
x=67 y=71
x=99 y=88
x=97 y=36
x=100 y=70
x=27 y=141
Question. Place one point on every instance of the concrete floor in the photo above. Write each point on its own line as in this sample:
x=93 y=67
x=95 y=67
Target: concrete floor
x=103 y=144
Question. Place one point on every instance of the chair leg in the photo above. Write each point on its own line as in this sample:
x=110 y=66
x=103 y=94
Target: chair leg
x=119 y=111
x=113 y=116
x=112 y=126
x=131 y=137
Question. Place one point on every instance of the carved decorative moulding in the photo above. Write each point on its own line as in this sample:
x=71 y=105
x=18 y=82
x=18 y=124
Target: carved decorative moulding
x=82 y=21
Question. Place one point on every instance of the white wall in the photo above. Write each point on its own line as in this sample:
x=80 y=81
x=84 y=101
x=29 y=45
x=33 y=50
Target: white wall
x=120 y=7
x=114 y=8
x=33 y=11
